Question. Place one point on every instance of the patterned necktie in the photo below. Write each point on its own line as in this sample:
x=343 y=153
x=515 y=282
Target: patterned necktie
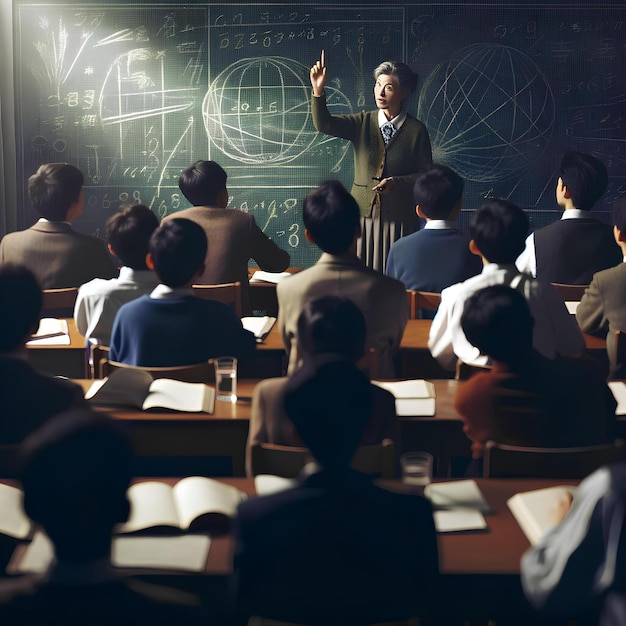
x=388 y=130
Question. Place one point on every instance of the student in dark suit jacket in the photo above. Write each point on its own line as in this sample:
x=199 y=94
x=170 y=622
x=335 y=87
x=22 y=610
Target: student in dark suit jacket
x=577 y=246
x=76 y=470
x=27 y=398
x=335 y=548
x=603 y=305
x=56 y=254
x=233 y=236
x=439 y=255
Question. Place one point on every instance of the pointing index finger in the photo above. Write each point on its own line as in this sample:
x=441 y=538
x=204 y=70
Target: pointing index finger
x=323 y=59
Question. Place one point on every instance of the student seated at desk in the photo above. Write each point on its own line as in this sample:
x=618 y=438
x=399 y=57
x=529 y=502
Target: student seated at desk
x=27 y=398
x=171 y=326
x=76 y=470
x=526 y=399
x=498 y=229
x=578 y=569
x=331 y=336
x=51 y=249
x=335 y=549
x=438 y=255
x=98 y=301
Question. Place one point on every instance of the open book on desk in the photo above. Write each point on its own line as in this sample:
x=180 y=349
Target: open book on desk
x=259 y=326
x=14 y=522
x=184 y=553
x=193 y=503
x=536 y=511
x=618 y=388
x=137 y=388
x=268 y=277
x=413 y=397
x=458 y=505
x=51 y=331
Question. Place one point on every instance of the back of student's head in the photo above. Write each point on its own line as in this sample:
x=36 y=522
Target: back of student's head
x=438 y=191
x=129 y=233
x=75 y=470
x=178 y=248
x=499 y=229
x=332 y=324
x=619 y=212
x=331 y=216
x=202 y=182
x=20 y=305
x=585 y=177
x=53 y=189
x=498 y=322
x=329 y=406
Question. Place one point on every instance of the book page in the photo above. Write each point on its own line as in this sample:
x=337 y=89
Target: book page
x=268 y=277
x=408 y=388
x=51 y=332
x=180 y=396
x=424 y=407
x=185 y=553
x=619 y=391
x=196 y=496
x=13 y=521
x=267 y=484
x=536 y=511
x=455 y=520
x=258 y=326
x=151 y=506
x=455 y=494
x=38 y=555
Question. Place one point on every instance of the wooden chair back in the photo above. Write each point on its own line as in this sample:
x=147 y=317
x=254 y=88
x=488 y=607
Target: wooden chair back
x=506 y=461
x=59 y=302
x=99 y=356
x=228 y=293
x=570 y=293
x=268 y=458
x=195 y=373
x=419 y=301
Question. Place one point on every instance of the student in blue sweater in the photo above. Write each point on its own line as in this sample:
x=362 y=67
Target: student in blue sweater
x=171 y=326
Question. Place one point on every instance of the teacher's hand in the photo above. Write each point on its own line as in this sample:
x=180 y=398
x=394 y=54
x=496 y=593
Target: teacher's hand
x=318 y=75
x=385 y=185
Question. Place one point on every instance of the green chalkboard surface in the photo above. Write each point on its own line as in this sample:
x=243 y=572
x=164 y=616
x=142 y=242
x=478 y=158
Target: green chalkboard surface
x=132 y=93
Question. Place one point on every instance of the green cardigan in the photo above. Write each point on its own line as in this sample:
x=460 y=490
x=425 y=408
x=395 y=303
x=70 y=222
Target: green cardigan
x=407 y=154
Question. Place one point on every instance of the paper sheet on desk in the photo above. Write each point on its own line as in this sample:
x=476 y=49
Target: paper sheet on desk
x=413 y=397
x=51 y=332
x=268 y=277
x=619 y=392
x=459 y=505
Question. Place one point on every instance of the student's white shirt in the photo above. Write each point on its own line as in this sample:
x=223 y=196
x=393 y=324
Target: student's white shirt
x=555 y=331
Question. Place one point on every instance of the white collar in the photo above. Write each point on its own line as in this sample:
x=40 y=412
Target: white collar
x=438 y=225
x=137 y=276
x=575 y=214
x=163 y=292
x=397 y=121
x=43 y=220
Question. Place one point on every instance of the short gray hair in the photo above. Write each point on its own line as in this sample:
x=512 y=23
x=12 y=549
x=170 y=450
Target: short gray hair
x=407 y=78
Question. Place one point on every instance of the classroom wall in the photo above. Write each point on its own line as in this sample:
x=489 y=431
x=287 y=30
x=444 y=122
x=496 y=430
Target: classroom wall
x=133 y=92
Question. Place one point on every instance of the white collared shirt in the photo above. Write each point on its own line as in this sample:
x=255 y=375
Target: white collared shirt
x=438 y=225
x=163 y=292
x=397 y=121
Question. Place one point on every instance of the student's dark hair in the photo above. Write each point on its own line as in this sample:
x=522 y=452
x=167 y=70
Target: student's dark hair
x=53 y=189
x=202 y=182
x=619 y=212
x=407 y=78
x=332 y=217
x=437 y=191
x=330 y=406
x=585 y=177
x=332 y=324
x=178 y=248
x=499 y=229
x=498 y=322
x=129 y=233
x=20 y=305
x=77 y=466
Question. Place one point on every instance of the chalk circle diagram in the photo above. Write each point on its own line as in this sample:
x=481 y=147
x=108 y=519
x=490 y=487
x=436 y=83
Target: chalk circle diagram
x=257 y=111
x=489 y=110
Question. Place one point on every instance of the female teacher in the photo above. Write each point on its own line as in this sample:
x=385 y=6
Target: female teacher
x=390 y=149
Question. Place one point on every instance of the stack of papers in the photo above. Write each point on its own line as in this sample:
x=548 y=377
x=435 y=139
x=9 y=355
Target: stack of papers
x=268 y=277
x=413 y=397
x=459 y=505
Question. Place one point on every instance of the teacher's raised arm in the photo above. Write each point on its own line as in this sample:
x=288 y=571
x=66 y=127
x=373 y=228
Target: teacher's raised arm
x=318 y=75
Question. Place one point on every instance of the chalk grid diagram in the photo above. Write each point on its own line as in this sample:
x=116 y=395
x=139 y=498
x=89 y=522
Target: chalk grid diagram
x=132 y=95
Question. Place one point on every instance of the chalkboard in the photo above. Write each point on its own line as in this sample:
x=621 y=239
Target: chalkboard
x=133 y=93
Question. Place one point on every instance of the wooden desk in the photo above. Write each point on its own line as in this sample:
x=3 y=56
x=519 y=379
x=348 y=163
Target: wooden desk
x=225 y=432
x=61 y=360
